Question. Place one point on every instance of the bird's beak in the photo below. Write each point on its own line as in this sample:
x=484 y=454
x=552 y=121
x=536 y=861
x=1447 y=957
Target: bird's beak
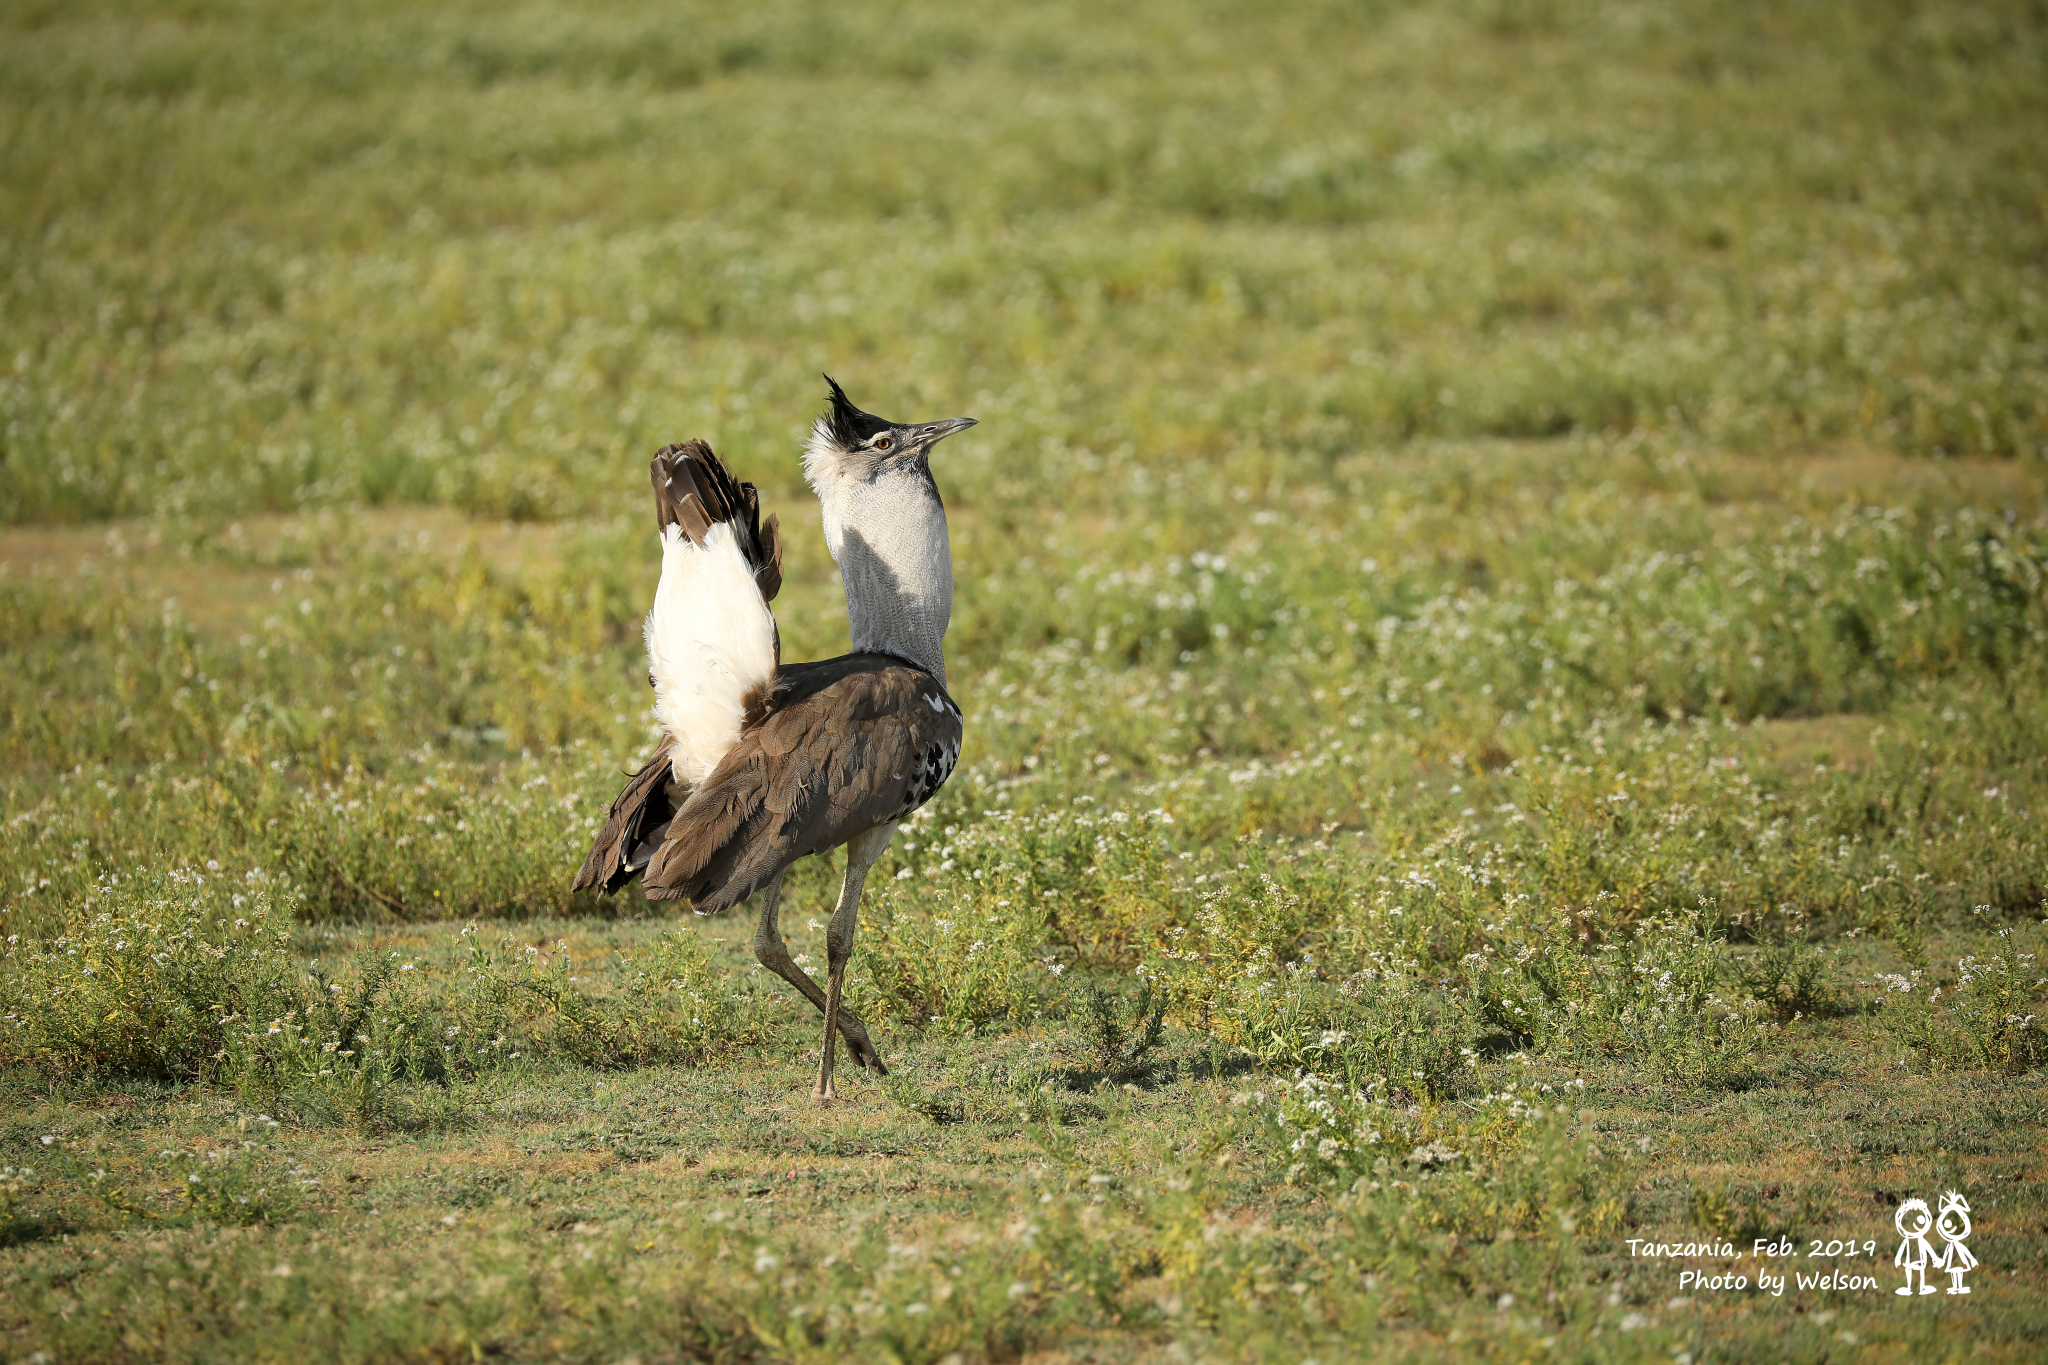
x=931 y=433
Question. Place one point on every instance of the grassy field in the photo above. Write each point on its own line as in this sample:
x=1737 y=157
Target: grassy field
x=1503 y=625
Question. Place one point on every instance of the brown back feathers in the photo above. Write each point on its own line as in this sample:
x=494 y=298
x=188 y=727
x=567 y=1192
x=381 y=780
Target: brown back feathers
x=848 y=744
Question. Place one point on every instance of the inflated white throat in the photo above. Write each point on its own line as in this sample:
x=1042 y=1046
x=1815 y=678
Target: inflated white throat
x=888 y=535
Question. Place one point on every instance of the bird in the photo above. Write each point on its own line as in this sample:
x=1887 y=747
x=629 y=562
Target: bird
x=760 y=762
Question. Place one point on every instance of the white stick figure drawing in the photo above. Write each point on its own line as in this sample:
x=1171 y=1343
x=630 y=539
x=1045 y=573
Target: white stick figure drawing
x=1914 y=1253
x=1954 y=1227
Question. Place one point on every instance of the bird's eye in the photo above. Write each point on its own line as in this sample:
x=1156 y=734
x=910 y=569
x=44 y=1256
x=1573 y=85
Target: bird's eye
x=883 y=442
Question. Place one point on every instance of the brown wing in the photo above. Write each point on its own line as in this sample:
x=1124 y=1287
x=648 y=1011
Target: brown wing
x=633 y=828
x=849 y=744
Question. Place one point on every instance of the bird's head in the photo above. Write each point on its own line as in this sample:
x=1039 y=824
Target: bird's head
x=848 y=445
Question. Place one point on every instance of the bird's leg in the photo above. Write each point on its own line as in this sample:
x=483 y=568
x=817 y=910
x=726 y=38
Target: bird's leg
x=861 y=852
x=773 y=954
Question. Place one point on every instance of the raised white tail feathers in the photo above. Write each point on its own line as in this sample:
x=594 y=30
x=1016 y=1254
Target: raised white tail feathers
x=710 y=646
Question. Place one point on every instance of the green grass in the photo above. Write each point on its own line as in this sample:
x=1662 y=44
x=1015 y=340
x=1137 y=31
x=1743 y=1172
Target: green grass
x=273 y=257
x=1503 y=620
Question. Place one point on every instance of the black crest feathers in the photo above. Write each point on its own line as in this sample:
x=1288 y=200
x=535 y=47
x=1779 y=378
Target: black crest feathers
x=849 y=425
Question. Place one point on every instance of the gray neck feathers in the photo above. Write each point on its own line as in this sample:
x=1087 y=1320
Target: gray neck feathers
x=888 y=536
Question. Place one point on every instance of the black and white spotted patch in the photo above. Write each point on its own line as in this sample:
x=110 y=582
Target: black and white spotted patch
x=935 y=765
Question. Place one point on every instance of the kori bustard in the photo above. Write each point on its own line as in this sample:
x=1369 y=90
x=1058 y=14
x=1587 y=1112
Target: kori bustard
x=762 y=762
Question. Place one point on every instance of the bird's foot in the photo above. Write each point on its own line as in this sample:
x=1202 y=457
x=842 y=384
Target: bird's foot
x=857 y=1045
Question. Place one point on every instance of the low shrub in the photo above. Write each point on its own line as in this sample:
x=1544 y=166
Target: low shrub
x=1990 y=1017
x=1646 y=996
x=197 y=976
x=1118 y=1027
x=1403 y=1040
x=953 y=964
x=1790 y=978
x=147 y=978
